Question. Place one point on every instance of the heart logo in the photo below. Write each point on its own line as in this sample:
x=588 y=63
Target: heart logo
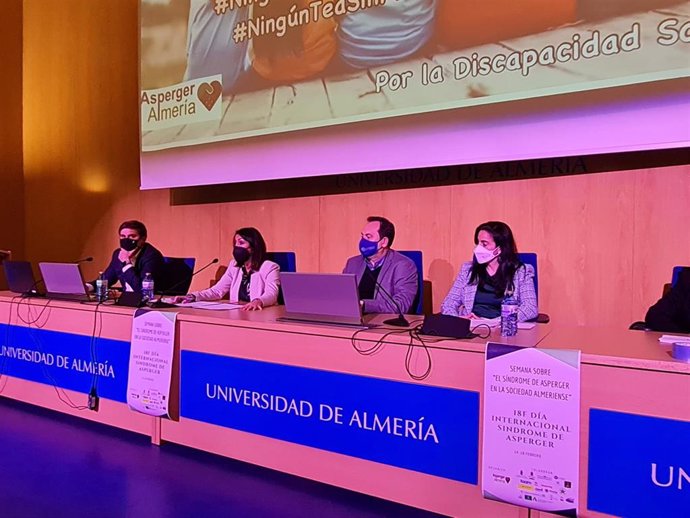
x=208 y=94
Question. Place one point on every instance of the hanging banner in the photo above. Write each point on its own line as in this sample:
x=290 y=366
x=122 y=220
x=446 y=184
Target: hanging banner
x=150 y=362
x=531 y=447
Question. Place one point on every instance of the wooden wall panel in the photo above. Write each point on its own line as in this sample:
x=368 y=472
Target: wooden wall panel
x=290 y=224
x=12 y=187
x=183 y=231
x=606 y=242
x=421 y=219
x=587 y=248
x=561 y=220
x=662 y=232
x=80 y=125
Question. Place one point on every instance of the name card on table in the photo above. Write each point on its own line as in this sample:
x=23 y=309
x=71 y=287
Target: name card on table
x=531 y=448
x=151 y=361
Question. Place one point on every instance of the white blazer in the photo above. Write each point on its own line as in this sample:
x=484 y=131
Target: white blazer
x=263 y=284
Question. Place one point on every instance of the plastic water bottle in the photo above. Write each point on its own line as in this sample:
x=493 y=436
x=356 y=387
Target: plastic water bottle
x=509 y=315
x=147 y=287
x=101 y=288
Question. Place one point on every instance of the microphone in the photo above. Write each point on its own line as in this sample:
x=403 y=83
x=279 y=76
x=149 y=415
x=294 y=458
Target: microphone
x=84 y=260
x=400 y=320
x=180 y=283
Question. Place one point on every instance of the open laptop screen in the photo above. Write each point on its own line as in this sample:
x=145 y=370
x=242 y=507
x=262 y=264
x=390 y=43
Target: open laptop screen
x=322 y=297
x=19 y=275
x=62 y=278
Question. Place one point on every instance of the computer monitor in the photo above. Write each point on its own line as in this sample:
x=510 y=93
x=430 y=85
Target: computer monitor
x=19 y=276
x=322 y=298
x=63 y=279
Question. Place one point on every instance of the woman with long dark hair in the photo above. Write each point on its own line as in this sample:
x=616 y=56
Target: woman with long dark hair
x=250 y=278
x=494 y=273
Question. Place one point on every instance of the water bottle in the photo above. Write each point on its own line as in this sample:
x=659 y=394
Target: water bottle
x=509 y=315
x=101 y=288
x=147 y=288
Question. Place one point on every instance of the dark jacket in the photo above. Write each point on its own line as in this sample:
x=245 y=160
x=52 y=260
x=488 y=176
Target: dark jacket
x=672 y=312
x=149 y=260
x=398 y=277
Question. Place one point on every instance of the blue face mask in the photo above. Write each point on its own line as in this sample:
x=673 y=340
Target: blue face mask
x=368 y=248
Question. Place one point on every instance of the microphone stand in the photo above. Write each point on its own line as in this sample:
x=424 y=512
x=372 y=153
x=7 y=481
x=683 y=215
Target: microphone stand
x=400 y=320
x=160 y=304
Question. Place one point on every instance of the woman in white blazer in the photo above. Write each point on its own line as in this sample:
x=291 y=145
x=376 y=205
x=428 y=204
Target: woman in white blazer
x=250 y=277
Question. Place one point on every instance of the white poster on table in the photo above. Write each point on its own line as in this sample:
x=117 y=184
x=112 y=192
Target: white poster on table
x=531 y=447
x=150 y=362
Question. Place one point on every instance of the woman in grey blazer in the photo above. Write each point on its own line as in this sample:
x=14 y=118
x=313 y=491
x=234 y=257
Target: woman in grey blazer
x=494 y=273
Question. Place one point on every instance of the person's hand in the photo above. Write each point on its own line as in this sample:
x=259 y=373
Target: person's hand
x=124 y=256
x=472 y=316
x=183 y=299
x=89 y=288
x=254 y=305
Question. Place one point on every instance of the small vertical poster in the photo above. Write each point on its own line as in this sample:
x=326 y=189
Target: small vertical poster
x=150 y=362
x=531 y=446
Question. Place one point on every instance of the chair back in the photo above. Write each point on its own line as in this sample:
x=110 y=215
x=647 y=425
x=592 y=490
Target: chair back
x=417 y=307
x=531 y=259
x=177 y=275
x=286 y=260
x=676 y=273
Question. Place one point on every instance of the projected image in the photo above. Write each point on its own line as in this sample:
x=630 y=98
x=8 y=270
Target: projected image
x=214 y=70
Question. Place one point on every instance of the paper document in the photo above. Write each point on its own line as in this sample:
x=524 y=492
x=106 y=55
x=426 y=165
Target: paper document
x=671 y=339
x=491 y=322
x=211 y=306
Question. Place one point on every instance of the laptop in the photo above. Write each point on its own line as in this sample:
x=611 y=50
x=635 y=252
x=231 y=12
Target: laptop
x=323 y=298
x=20 y=277
x=63 y=281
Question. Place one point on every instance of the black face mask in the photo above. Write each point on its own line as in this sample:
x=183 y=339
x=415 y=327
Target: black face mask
x=128 y=244
x=241 y=255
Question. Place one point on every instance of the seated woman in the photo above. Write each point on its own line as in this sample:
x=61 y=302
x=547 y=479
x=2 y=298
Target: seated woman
x=210 y=47
x=387 y=33
x=250 y=277
x=671 y=313
x=302 y=52
x=494 y=273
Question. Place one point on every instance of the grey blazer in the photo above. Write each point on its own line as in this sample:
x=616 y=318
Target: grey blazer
x=460 y=299
x=398 y=277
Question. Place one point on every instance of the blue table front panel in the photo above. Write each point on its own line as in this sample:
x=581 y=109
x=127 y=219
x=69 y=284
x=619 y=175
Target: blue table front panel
x=639 y=466
x=427 y=429
x=65 y=360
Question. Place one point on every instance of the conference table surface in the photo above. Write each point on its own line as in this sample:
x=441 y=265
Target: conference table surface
x=599 y=345
x=622 y=370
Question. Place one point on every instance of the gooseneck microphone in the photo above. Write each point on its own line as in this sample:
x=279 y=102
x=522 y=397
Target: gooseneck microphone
x=84 y=260
x=400 y=320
